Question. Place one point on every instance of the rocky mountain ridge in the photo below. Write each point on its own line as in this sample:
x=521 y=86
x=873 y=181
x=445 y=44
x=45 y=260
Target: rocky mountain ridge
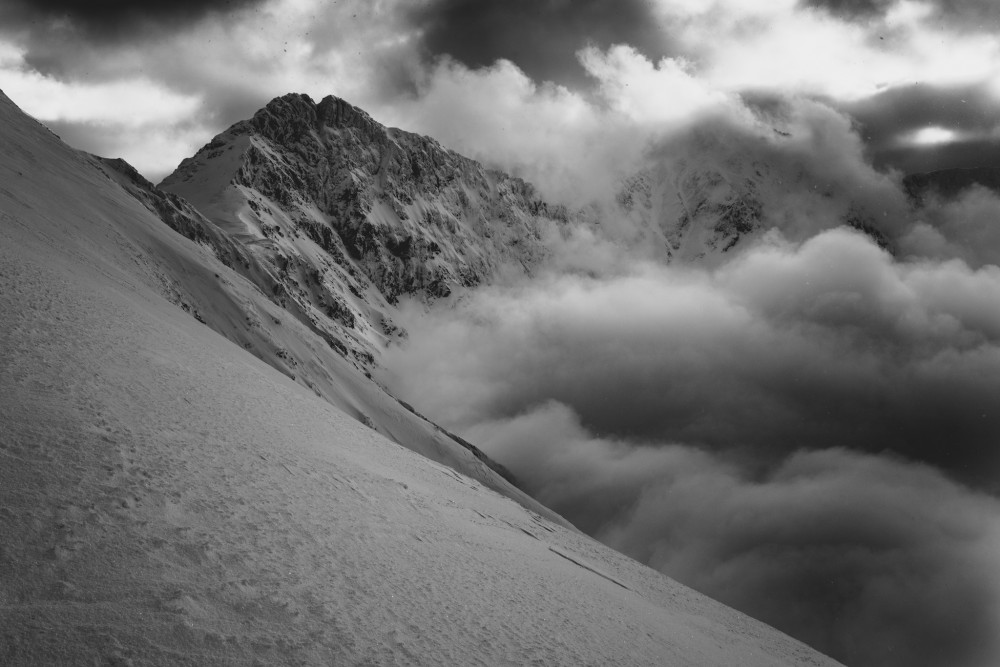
x=350 y=216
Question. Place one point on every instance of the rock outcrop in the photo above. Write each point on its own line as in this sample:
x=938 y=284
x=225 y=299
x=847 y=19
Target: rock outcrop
x=349 y=216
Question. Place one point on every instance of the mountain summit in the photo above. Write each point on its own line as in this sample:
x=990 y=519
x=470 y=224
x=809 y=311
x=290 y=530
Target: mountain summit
x=362 y=213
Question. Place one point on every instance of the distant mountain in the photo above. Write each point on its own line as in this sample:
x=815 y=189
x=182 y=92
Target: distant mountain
x=699 y=211
x=950 y=182
x=708 y=197
x=192 y=475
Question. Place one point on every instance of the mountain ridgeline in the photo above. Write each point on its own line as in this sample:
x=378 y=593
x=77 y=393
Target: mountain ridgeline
x=350 y=215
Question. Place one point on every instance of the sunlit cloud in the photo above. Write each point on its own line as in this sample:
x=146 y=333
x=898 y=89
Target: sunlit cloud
x=783 y=46
x=928 y=136
x=645 y=92
x=128 y=102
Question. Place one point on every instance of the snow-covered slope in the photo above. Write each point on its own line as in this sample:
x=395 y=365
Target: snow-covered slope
x=166 y=497
x=197 y=278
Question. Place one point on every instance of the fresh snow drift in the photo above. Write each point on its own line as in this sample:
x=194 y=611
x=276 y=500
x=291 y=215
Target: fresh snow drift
x=167 y=497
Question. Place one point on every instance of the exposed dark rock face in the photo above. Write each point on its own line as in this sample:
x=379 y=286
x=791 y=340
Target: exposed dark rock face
x=950 y=182
x=413 y=217
x=864 y=224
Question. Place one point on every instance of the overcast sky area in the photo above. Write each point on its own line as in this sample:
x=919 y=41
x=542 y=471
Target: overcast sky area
x=153 y=81
x=807 y=431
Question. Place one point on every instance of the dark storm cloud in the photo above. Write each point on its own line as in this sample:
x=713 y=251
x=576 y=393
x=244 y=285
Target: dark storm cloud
x=730 y=428
x=851 y=9
x=978 y=15
x=540 y=37
x=962 y=14
x=884 y=119
x=960 y=154
x=116 y=19
x=824 y=345
x=802 y=343
x=73 y=40
x=888 y=120
x=877 y=562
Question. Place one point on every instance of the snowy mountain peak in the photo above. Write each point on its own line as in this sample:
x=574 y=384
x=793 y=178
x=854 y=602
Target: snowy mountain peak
x=391 y=207
x=285 y=119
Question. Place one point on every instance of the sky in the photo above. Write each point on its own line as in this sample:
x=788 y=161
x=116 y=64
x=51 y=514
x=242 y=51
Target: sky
x=154 y=81
x=806 y=430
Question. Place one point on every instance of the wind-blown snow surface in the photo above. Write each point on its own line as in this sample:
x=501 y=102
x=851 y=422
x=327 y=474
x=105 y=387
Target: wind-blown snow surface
x=167 y=497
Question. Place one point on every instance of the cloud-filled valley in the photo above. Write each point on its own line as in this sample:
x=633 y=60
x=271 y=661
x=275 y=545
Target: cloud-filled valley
x=875 y=560
x=829 y=343
x=771 y=433
x=804 y=428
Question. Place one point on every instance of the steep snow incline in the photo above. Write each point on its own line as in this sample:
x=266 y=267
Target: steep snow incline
x=168 y=498
x=115 y=230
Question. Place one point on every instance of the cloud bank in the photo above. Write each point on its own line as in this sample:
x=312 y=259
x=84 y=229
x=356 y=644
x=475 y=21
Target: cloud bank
x=875 y=560
x=806 y=431
x=540 y=37
x=824 y=344
x=117 y=19
x=573 y=146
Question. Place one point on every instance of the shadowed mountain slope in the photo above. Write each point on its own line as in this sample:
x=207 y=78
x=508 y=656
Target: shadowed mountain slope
x=949 y=183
